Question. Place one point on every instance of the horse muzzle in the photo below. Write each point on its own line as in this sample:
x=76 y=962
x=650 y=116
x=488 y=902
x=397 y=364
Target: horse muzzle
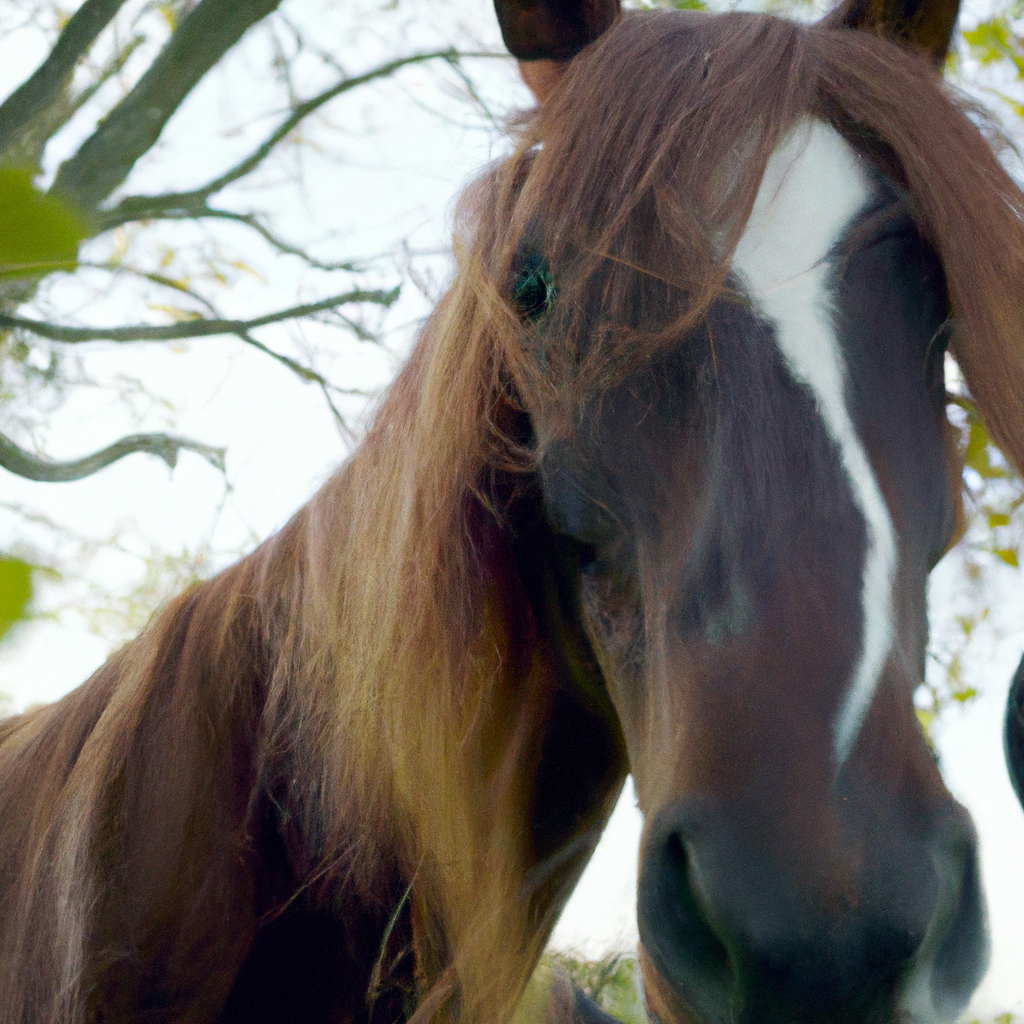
x=873 y=930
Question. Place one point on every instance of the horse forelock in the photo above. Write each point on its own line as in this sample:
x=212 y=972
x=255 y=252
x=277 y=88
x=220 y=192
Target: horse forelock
x=638 y=175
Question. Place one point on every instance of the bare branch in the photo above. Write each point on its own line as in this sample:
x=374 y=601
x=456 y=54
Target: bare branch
x=474 y=95
x=303 y=110
x=152 y=276
x=133 y=126
x=27 y=149
x=114 y=66
x=339 y=420
x=46 y=83
x=254 y=221
x=36 y=467
x=305 y=373
x=199 y=328
x=357 y=329
x=286 y=248
x=250 y=220
x=193 y=203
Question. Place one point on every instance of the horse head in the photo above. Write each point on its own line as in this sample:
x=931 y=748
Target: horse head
x=736 y=293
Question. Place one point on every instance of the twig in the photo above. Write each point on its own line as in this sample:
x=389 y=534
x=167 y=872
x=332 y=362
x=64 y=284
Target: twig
x=251 y=220
x=146 y=207
x=152 y=276
x=199 y=328
x=36 y=467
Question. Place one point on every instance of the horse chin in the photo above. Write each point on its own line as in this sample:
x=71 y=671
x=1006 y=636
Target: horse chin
x=1013 y=732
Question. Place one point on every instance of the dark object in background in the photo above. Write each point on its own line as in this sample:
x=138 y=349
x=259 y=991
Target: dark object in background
x=1013 y=732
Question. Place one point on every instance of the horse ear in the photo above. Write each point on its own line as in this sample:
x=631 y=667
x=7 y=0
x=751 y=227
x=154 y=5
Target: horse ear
x=552 y=29
x=543 y=34
x=921 y=24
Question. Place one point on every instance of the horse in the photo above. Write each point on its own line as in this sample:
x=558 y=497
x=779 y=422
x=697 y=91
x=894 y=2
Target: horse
x=657 y=492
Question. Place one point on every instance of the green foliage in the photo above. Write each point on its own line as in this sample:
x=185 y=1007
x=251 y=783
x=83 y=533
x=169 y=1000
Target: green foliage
x=678 y=5
x=994 y=40
x=993 y=538
x=981 y=455
x=38 y=232
x=997 y=45
x=611 y=982
x=15 y=592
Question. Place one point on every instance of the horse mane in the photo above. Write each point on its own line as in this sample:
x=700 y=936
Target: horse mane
x=396 y=674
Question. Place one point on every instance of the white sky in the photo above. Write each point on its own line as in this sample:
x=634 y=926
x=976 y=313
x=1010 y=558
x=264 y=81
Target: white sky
x=381 y=167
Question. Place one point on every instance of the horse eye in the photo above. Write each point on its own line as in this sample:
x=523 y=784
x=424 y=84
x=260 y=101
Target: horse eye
x=534 y=290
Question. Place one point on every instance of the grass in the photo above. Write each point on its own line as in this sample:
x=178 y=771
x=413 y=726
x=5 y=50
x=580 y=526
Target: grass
x=611 y=982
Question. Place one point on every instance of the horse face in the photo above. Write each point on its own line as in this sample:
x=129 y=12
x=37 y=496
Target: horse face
x=760 y=508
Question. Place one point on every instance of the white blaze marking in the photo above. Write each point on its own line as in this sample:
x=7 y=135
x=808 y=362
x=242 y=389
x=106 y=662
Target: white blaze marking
x=812 y=187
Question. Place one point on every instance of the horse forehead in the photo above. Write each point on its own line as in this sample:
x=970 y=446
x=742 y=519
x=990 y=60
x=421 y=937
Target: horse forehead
x=813 y=186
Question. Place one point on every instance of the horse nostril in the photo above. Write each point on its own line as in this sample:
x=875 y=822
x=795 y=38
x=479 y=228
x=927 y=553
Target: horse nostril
x=676 y=932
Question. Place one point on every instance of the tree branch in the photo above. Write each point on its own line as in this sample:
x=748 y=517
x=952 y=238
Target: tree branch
x=302 y=372
x=45 y=84
x=155 y=278
x=200 y=328
x=193 y=203
x=36 y=467
x=250 y=220
x=133 y=126
x=303 y=110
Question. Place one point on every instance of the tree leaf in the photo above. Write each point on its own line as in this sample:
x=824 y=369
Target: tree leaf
x=1009 y=556
x=995 y=40
x=38 y=232
x=979 y=452
x=926 y=717
x=170 y=14
x=15 y=591
x=966 y=695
